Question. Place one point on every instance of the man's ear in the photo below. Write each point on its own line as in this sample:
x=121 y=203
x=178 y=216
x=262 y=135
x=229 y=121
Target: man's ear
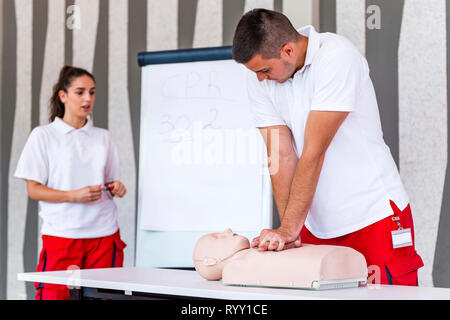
x=288 y=50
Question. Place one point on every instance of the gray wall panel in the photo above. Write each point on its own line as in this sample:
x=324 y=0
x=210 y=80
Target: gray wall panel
x=423 y=119
x=1 y=126
x=119 y=121
x=187 y=10
x=100 y=69
x=208 y=24
x=232 y=12
x=68 y=55
x=267 y=4
x=327 y=12
x=441 y=264
x=163 y=13
x=382 y=56
x=9 y=66
x=17 y=194
x=137 y=36
x=351 y=22
x=84 y=38
x=31 y=234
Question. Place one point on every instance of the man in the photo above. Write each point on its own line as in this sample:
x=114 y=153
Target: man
x=337 y=182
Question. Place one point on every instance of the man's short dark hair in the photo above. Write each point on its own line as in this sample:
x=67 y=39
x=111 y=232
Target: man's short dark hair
x=264 y=32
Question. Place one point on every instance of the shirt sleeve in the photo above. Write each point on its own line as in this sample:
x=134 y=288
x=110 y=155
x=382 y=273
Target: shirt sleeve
x=33 y=161
x=337 y=80
x=264 y=112
x=112 y=164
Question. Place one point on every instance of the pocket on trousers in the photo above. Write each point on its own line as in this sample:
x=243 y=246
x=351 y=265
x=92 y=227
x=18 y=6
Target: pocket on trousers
x=402 y=270
x=42 y=265
x=118 y=255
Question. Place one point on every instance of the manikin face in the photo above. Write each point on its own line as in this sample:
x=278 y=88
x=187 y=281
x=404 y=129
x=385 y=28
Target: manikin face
x=226 y=243
x=213 y=249
x=80 y=98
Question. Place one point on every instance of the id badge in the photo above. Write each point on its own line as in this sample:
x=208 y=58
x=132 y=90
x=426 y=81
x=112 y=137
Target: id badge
x=401 y=238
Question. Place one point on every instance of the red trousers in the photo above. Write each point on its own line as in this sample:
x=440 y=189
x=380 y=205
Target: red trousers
x=385 y=264
x=71 y=254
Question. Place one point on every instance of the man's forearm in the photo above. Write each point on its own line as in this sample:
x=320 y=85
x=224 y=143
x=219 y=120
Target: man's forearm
x=302 y=191
x=281 y=182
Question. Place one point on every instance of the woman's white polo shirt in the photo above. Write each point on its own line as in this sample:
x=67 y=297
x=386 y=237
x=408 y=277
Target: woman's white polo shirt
x=64 y=158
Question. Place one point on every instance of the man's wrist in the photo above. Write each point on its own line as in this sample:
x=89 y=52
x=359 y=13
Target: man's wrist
x=292 y=230
x=292 y=222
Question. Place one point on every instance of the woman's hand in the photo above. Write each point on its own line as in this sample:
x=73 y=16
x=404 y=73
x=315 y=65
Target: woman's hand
x=117 y=188
x=87 y=194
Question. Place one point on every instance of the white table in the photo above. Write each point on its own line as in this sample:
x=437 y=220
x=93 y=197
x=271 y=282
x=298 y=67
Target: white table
x=169 y=283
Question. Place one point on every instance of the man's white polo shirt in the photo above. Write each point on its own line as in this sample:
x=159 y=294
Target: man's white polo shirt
x=64 y=158
x=359 y=175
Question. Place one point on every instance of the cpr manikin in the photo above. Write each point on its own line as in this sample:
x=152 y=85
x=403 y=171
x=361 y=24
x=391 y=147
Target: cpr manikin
x=228 y=256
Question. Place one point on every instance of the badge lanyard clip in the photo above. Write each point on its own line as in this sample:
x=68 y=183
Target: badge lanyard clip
x=397 y=219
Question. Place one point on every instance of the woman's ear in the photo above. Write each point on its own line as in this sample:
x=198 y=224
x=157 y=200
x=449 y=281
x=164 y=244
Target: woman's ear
x=62 y=96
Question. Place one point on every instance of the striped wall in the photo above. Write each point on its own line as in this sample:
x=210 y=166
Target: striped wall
x=409 y=76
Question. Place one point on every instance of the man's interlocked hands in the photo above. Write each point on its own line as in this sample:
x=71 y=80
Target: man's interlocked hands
x=276 y=240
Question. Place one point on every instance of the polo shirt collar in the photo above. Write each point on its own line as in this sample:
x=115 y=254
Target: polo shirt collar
x=313 y=44
x=64 y=128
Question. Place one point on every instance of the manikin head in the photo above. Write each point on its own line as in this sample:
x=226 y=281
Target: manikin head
x=213 y=250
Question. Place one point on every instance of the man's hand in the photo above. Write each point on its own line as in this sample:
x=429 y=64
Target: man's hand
x=276 y=239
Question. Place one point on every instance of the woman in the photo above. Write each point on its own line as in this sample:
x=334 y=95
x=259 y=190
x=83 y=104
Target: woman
x=72 y=169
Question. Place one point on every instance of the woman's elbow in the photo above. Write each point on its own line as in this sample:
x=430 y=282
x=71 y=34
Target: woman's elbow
x=32 y=190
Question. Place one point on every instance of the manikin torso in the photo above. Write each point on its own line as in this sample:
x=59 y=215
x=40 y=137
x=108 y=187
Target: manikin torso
x=228 y=256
